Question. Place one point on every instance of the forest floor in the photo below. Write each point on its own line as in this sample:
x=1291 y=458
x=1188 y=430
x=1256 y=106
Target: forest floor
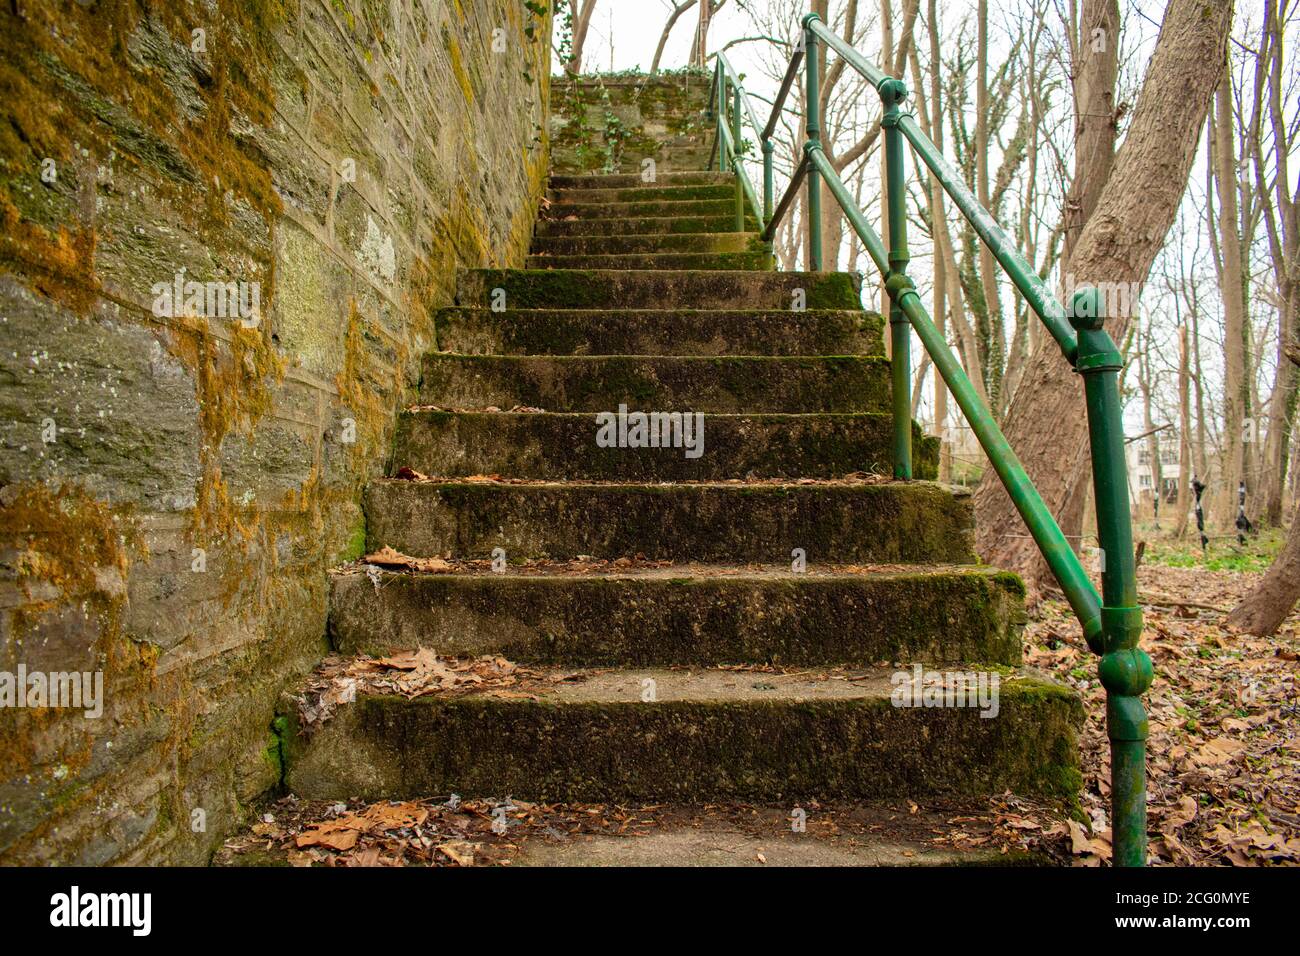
x=1223 y=762
x=1224 y=753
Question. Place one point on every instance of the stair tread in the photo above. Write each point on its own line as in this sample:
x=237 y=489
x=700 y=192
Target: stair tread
x=703 y=842
x=685 y=571
x=634 y=180
x=776 y=486
x=647 y=261
x=934 y=832
x=636 y=225
x=517 y=416
x=756 y=685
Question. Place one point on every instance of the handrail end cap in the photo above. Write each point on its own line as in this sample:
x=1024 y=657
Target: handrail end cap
x=1087 y=309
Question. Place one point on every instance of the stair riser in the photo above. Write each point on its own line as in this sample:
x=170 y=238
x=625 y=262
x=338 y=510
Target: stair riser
x=666 y=192
x=741 y=261
x=623 y=245
x=655 y=332
x=729 y=524
x=682 y=157
x=634 y=180
x=597 y=289
x=690 y=752
x=563 y=447
x=653 y=208
x=588 y=621
x=640 y=226
x=644 y=383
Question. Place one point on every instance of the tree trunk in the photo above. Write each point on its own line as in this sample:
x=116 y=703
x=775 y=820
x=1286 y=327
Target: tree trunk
x=1282 y=223
x=701 y=46
x=940 y=268
x=996 y=360
x=1185 y=466
x=1236 y=392
x=678 y=10
x=1096 y=64
x=970 y=356
x=1046 y=422
x=581 y=22
x=1266 y=607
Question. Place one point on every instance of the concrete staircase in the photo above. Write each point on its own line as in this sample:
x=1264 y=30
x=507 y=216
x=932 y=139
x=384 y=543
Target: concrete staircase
x=702 y=664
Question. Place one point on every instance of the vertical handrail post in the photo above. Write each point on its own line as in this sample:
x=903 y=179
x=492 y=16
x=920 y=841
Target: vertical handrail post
x=892 y=94
x=768 y=148
x=813 y=127
x=736 y=160
x=1125 y=669
x=721 y=111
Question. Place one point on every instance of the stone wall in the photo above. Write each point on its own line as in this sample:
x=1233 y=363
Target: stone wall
x=176 y=476
x=613 y=123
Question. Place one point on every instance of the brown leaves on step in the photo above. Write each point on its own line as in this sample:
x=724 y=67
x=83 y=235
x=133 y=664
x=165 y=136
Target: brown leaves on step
x=387 y=557
x=513 y=410
x=394 y=561
x=338 y=680
x=435 y=832
x=451 y=831
x=853 y=478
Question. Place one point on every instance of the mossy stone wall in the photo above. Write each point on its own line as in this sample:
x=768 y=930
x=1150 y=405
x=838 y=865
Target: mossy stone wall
x=174 y=487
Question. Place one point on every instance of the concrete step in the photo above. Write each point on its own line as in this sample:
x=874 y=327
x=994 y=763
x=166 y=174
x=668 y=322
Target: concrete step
x=696 y=736
x=698 y=840
x=563 y=446
x=703 y=242
x=679 y=158
x=710 y=384
x=658 y=289
x=656 y=192
x=658 y=331
x=639 y=225
x=716 y=261
x=596 y=181
x=938 y=831
x=650 y=208
x=684 y=615
x=841 y=522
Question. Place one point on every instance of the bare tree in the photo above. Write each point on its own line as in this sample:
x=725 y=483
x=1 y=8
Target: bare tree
x=1046 y=422
x=580 y=12
x=673 y=17
x=1264 y=608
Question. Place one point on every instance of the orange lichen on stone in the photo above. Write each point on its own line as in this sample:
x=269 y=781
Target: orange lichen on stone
x=234 y=387
x=60 y=265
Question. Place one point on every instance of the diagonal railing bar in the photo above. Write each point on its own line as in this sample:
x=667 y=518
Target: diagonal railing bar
x=791 y=74
x=734 y=79
x=728 y=114
x=1111 y=621
x=1021 y=273
x=791 y=193
x=1060 y=557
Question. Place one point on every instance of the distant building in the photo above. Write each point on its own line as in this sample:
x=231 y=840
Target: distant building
x=1141 y=474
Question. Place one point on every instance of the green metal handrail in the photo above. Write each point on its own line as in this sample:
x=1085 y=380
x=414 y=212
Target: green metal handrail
x=1111 y=621
x=729 y=114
